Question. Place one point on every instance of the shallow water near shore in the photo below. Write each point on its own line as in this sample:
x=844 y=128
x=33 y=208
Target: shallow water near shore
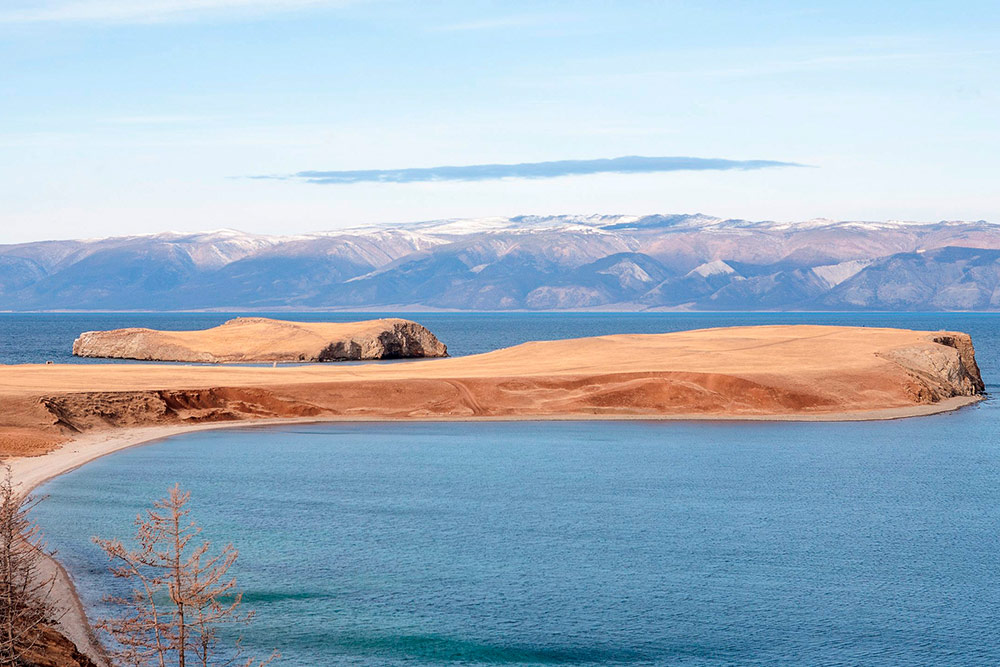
x=589 y=542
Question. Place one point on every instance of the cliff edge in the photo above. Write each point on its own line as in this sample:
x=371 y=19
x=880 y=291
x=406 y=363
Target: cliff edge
x=260 y=339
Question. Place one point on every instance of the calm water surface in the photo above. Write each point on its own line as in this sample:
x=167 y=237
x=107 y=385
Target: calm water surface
x=589 y=542
x=41 y=337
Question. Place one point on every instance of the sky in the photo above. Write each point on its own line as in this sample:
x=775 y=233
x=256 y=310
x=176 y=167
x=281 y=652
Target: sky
x=289 y=116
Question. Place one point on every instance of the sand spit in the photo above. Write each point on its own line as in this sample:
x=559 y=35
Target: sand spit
x=75 y=413
x=260 y=339
x=775 y=372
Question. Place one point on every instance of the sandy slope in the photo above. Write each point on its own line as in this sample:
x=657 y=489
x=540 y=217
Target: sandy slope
x=772 y=371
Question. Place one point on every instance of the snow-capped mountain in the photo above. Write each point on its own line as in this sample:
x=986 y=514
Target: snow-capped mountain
x=526 y=262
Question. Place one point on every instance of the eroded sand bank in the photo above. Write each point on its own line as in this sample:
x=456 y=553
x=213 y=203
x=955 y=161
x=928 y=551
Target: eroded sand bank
x=778 y=372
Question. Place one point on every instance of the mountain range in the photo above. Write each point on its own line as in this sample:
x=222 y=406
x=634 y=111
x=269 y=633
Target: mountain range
x=600 y=262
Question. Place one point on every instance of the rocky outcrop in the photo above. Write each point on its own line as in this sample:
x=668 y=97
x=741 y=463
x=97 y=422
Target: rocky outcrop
x=259 y=339
x=943 y=370
x=969 y=369
x=400 y=340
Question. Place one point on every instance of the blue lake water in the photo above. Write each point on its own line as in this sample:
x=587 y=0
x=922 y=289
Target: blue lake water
x=587 y=542
x=41 y=337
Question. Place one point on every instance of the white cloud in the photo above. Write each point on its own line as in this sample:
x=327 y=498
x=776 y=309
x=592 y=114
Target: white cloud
x=147 y=11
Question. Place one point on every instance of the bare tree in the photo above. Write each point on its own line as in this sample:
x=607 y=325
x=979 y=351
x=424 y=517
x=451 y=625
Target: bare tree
x=25 y=608
x=181 y=595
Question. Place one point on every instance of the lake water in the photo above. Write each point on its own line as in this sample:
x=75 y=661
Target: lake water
x=41 y=337
x=586 y=542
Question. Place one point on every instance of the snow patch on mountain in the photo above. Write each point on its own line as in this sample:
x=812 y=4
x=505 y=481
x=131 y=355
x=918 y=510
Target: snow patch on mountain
x=629 y=274
x=713 y=268
x=834 y=274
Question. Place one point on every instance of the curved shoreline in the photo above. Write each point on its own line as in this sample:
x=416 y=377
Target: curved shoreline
x=736 y=374
x=31 y=472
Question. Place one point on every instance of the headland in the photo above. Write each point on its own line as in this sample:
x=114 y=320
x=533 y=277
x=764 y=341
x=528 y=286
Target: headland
x=58 y=417
x=763 y=372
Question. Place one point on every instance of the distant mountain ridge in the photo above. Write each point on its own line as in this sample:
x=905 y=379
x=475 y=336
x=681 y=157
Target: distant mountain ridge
x=655 y=262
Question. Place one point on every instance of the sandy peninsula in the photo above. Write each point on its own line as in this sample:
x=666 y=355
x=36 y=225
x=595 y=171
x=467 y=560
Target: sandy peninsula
x=774 y=372
x=58 y=417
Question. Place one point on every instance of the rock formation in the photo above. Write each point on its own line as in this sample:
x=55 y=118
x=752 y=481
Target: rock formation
x=943 y=370
x=259 y=339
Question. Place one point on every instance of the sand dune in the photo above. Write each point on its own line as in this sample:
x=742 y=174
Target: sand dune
x=770 y=371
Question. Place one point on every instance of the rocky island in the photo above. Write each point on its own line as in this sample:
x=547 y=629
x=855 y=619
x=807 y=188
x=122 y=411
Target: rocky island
x=260 y=339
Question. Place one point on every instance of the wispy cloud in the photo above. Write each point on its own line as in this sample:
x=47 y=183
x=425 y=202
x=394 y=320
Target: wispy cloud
x=763 y=68
x=145 y=11
x=155 y=120
x=533 y=170
x=498 y=23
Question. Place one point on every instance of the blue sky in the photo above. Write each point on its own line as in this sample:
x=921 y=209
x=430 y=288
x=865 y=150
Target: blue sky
x=122 y=116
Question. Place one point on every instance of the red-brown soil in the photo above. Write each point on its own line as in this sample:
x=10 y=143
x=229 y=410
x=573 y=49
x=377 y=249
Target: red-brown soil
x=741 y=372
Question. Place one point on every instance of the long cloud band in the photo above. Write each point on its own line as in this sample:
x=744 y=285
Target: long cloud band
x=484 y=172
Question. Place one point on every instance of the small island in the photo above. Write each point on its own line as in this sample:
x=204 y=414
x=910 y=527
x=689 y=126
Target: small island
x=265 y=340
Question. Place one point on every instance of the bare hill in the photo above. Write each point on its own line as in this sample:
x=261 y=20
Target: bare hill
x=260 y=339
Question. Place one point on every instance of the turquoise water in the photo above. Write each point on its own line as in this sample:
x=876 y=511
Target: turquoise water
x=588 y=542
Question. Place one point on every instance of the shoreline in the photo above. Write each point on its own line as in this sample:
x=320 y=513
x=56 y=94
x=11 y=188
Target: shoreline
x=33 y=471
x=30 y=472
